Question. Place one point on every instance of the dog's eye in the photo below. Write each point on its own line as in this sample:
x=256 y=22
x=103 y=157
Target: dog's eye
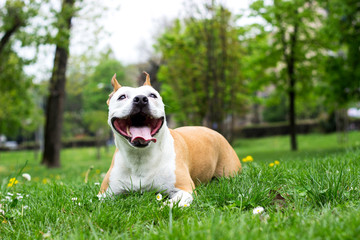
x=122 y=97
x=152 y=95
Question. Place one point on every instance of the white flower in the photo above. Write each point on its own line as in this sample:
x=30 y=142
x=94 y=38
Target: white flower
x=97 y=183
x=2 y=212
x=19 y=198
x=10 y=194
x=159 y=197
x=74 y=199
x=101 y=196
x=79 y=204
x=26 y=176
x=46 y=235
x=26 y=207
x=258 y=210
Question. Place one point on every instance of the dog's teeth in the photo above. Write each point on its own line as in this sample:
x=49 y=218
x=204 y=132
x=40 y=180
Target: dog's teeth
x=128 y=130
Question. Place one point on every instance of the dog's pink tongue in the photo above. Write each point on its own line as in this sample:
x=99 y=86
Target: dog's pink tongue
x=141 y=133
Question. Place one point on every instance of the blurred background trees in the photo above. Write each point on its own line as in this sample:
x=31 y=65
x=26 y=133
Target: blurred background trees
x=16 y=88
x=297 y=64
x=201 y=75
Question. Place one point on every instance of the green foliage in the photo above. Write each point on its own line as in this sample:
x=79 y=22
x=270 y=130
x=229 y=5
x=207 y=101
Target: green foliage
x=315 y=189
x=284 y=44
x=201 y=81
x=88 y=88
x=275 y=111
x=17 y=13
x=341 y=84
x=96 y=123
x=18 y=110
x=79 y=69
x=97 y=86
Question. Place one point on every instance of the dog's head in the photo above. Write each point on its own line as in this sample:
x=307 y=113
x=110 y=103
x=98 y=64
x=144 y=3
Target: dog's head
x=136 y=114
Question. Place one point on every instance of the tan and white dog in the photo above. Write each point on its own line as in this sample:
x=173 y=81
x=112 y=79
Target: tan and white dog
x=150 y=156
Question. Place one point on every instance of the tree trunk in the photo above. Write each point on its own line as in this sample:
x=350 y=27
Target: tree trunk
x=221 y=82
x=292 y=123
x=210 y=74
x=55 y=102
x=292 y=83
x=290 y=61
x=342 y=124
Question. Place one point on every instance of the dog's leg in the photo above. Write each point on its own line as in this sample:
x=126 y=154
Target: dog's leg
x=184 y=185
x=105 y=183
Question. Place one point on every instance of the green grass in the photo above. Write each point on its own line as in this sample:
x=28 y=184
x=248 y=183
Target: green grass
x=312 y=194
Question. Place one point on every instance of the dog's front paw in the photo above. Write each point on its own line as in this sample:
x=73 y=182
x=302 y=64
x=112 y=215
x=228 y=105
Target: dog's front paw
x=180 y=199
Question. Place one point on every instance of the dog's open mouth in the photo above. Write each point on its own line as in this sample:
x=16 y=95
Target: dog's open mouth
x=139 y=129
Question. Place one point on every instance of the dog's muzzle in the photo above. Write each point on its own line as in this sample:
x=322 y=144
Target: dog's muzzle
x=139 y=128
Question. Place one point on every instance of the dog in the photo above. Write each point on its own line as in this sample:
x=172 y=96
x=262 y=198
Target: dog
x=150 y=156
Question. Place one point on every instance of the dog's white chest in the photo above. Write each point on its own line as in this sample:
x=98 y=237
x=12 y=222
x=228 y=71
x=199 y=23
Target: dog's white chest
x=151 y=169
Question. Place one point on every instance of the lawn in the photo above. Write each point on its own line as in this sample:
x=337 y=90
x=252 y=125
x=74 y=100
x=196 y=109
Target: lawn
x=311 y=194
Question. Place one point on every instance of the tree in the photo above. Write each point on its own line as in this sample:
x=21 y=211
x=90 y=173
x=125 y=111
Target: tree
x=340 y=35
x=96 y=90
x=15 y=15
x=200 y=77
x=96 y=122
x=55 y=102
x=79 y=69
x=18 y=110
x=97 y=86
x=294 y=48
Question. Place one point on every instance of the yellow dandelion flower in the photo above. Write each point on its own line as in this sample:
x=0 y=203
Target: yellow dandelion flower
x=12 y=182
x=244 y=160
x=249 y=158
x=277 y=162
x=97 y=171
x=271 y=164
x=45 y=181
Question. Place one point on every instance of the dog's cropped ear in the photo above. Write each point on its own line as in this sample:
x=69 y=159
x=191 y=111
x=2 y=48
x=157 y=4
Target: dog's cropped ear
x=115 y=85
x=147 y=81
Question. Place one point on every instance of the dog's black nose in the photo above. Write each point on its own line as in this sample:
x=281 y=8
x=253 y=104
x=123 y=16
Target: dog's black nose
x=140 y=100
